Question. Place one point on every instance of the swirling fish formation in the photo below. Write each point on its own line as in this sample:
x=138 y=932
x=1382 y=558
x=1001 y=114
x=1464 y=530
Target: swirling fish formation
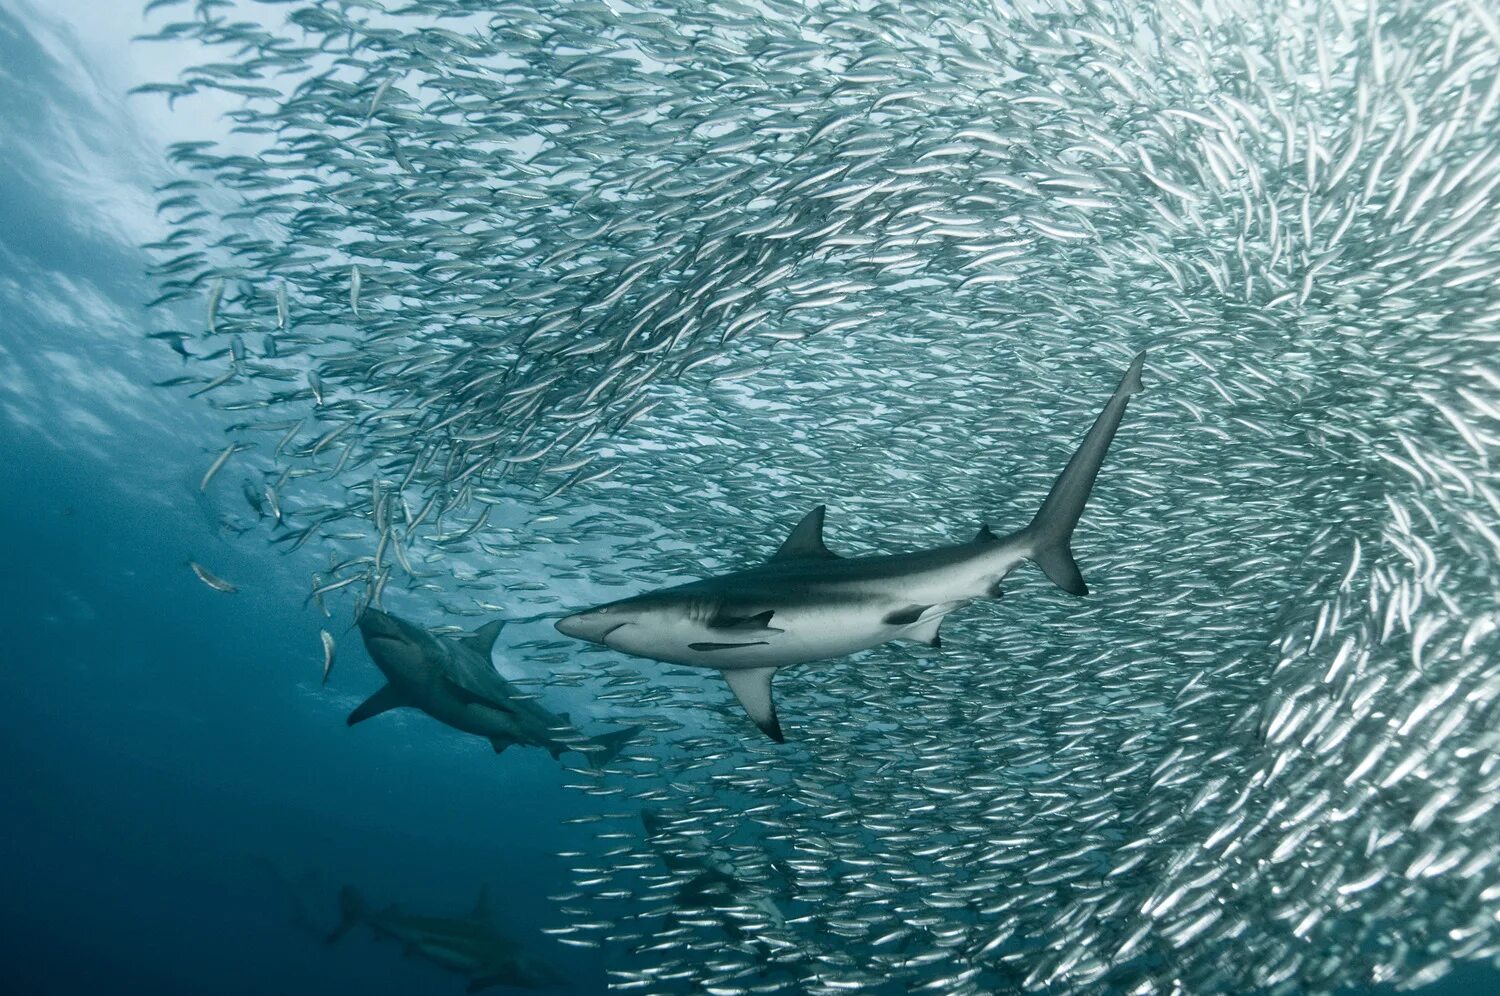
x=610 y=289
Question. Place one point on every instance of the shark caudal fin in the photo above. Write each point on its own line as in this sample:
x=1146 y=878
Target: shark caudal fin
x=1051 y=532
x=352 y=909
x=609 y=745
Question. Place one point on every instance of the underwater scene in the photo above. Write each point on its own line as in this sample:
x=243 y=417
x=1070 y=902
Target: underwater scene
x=750 y=496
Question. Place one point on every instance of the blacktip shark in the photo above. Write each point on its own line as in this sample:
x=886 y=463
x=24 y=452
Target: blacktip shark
x=468 y=944
x=809 y=604
x=452 y=680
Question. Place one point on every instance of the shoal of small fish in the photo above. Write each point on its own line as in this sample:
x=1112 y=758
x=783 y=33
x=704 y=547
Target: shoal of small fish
x=616 y=291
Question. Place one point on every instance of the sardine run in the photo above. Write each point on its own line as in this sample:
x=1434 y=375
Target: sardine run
x=548 y=295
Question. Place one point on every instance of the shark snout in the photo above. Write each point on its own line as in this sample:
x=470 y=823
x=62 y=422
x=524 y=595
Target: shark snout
x=592 y=625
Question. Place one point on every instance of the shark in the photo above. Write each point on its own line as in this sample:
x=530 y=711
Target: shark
x=807 y=603
x=468 y=944
x=452 y=680
x=709 y=879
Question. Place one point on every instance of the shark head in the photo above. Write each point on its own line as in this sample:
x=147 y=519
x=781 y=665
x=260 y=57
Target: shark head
x=599 y=624
x=402 y=651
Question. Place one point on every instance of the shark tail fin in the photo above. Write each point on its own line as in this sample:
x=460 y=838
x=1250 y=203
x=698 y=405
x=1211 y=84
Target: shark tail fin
x=610 y=744
x=1051 y=532
x=352 y=909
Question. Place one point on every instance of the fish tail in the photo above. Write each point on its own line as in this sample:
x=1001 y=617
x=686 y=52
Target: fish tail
x=352 y=909
x=1051 y=532
x=610 y=744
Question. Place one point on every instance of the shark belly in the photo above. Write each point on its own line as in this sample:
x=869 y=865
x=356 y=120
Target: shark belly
x=802 y=634
x=470 y=716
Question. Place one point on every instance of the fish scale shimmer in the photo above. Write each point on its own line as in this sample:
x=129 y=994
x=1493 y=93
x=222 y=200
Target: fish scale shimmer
x=676 y=273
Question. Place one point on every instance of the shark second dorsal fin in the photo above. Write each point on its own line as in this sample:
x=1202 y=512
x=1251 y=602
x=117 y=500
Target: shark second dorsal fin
x=985 y=535
x=806 y=539
x=482 y=910
x=483 y=639
x=752 y=686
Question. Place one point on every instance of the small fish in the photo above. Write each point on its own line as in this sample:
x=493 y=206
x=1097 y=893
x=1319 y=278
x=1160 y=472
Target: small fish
x=211 y=579
x=219 y=462
x=328 y=648
x=215 y=295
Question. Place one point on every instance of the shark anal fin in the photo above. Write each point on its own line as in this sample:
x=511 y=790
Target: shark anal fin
x=985 y=535
x=806 y=539
x=752 y=686
x=500 y=743
x=382 y=701
x=761 y=622
x=709 y=647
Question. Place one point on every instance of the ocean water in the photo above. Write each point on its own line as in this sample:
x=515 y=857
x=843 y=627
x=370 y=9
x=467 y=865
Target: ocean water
x=1281 y=690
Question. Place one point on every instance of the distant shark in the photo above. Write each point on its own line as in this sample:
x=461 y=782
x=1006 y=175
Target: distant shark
x=468 y=944
x=710 y=878
x=453 y=681
x=808 y=604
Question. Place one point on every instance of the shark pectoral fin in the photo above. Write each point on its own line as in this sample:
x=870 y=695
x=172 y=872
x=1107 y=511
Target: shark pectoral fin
x=382 y=701
x=760 y=622
x=709 y=647
x=482 y=640
x=925 y=631
x=752 y=686
x=806 y=539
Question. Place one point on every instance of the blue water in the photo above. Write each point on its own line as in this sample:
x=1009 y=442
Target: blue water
x=182 y=799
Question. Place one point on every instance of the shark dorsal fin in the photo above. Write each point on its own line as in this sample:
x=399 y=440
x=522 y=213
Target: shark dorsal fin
x=483 y=639
x=482 y=909
x=984 y=535
x=806 y=539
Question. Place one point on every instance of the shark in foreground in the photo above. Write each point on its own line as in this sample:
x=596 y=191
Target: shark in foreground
x=452 y=680
x=809 y=604
x=468 y=944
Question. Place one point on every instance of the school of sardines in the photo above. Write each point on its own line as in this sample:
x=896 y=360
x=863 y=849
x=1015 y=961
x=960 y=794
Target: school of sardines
x=520 y=306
